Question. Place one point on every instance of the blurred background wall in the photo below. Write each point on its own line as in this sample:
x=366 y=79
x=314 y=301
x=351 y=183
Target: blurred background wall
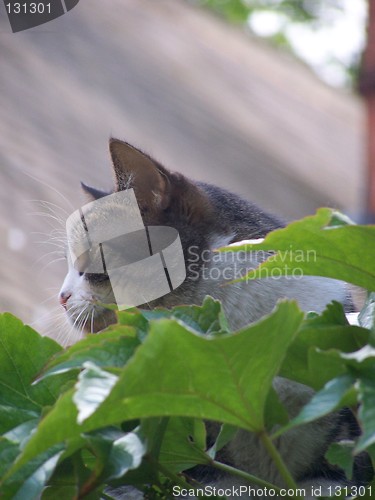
x=200 y=95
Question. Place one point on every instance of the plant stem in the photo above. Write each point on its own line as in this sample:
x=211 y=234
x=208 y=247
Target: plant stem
x=279 y=462
x=244 y=475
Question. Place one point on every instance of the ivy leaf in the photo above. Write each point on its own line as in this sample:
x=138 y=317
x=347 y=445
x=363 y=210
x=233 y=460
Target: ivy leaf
x=177 y=372
x=69 y=476
x=168 y=373
x=31 y=478
x=227 y=432
x=310 y=359
x=320 y=247
x=92 y=388
x=341 y=454
x=23 y=352
x=366 y=317
x=184 y=443
x=8 y=453
x=126 y=454
x=208 y=318
x=107 y=349
x=336 y=394
x=22 y=432
x=366 y=413
x=116 y=452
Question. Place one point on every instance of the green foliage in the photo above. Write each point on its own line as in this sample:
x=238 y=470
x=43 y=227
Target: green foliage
x=324 y=244
x=239 y=10
x=127 y=406
x=311 y=15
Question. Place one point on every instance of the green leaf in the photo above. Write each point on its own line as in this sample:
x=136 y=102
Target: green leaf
x=107 y=349
x=336 y=394
x=117 y=452
x=275 y=413
x=23 y=352
x=323 y=366
x=69 y=476
x=92 y=388
x=227 y=378
x=341 y=454
x=362 y=359
x=227 y=432
x=184 y=444
x=132 y=317
x=34 y=484
x=234 y=10
x=310 y=360
x=126 y=454
x=176 y=372
x=318 y=248
x=366 y=413
x=366 y=317
x=208 y=318
x=12 y=416
x=31 y=478
x=57 y=426
x=8 y=453
x=63 y=491
x=21 y=434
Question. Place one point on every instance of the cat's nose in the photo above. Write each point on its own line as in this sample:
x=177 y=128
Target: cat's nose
x=64 y=297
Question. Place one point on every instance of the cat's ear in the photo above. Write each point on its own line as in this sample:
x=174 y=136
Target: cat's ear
x=93 y=193
x=134 y=169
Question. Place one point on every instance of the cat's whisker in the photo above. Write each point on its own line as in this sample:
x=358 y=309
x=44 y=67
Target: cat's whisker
x=52 y=252
x=52 y=188
x=59 y=247
x=92 y=321
x=59 y=259
x=54 y=324
x=81 y=326
x=64 y=331
x=48 y=299
x=51 y=324
x=52 y=234
x=80 y=315
x=50 y=206
x=85 y=320
x=51 y=219
x=43 y=317
x=49 y=215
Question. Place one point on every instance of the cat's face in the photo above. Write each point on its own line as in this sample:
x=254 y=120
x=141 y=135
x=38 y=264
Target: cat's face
x=164 y=199
x=205 y=217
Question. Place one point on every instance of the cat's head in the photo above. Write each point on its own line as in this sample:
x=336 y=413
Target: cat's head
x=165 y=199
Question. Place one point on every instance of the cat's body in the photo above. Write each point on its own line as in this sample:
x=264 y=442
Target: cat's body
x=206 y=218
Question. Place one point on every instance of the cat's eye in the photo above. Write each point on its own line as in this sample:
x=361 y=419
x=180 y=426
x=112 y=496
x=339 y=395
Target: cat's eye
x=81 y=274
x=96 y=278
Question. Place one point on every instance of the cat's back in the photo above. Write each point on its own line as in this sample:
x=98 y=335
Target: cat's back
x=245 y=219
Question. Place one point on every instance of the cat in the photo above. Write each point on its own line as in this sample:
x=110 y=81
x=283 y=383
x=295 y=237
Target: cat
x=207 y=217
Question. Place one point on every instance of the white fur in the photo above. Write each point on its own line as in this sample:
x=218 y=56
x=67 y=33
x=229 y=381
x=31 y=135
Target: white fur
x=247 y=301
